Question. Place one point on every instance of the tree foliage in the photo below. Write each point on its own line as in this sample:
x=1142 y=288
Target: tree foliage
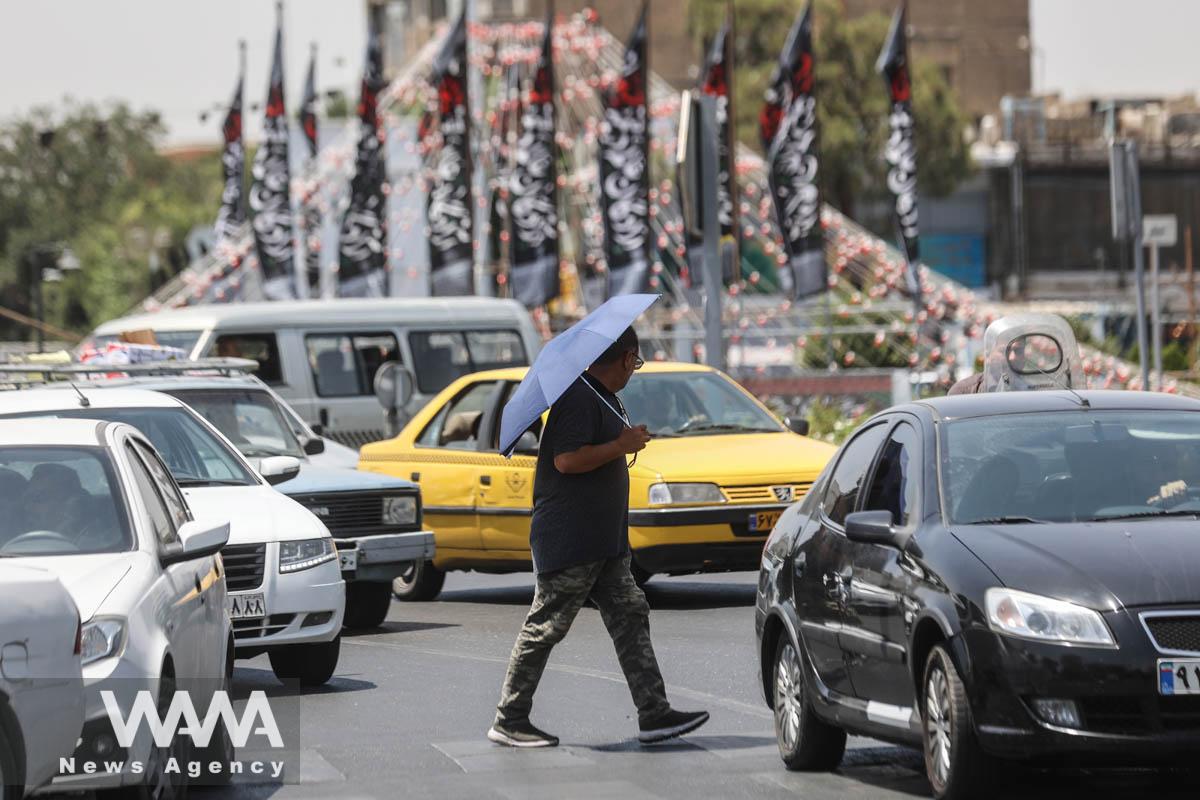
x=852 y=104
x=92 y=178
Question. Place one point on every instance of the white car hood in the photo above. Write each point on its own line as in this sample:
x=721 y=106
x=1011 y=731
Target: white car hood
x=255 y=513
x=89 y=578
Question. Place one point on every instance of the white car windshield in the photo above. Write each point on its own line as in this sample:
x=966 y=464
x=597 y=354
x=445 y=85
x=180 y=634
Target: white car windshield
x=248 y=418
x=692 y=403
x=57 y=500
x=1071 y=466
x=194 y=455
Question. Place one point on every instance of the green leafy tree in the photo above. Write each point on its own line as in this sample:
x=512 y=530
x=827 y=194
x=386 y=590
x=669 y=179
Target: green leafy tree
x=851 y=100
x=93 y=179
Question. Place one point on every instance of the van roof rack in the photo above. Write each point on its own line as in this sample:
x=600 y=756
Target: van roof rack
x=24 y=374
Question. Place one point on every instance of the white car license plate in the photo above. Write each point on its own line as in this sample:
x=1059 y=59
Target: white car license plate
x=1178 y=676
x=246 y=606
x=348 y=559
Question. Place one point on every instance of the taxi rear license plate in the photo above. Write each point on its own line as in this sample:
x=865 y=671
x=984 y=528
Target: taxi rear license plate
x=763 y=521
x=348 y=560
x=1178 y=676
x=246 y=606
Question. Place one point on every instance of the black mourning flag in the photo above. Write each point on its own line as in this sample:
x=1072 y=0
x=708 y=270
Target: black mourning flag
x=533 y=189
x=624 y=172
x=449 y=206
x=233 y=167
x=362 y=243
x=310 y=213
x=778 y=94
x=717 y=80
x=270 y=193
x=901 y=149
x=792 y=168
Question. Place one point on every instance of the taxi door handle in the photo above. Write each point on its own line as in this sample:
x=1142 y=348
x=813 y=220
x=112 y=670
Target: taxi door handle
x=486 y=480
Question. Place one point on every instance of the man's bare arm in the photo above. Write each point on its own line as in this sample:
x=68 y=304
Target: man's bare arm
x=594 y=456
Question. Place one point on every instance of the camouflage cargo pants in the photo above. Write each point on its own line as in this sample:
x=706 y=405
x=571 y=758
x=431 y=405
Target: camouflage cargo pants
x=558 y=598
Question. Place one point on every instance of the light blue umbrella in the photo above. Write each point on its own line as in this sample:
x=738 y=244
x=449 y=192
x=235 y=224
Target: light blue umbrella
x=564 y=359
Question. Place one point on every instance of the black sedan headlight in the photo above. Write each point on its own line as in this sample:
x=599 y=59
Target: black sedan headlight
x=1045 y=619
x=401 y=510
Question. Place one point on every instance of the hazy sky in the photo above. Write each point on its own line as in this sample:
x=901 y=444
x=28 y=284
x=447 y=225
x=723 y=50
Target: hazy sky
x=180 y=56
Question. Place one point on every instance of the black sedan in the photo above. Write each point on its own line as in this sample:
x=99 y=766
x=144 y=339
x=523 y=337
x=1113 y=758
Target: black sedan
x=990 y=577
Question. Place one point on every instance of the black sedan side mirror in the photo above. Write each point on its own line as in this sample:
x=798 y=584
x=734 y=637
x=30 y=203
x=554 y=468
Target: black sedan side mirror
x=873 y=527
x=314 y=446
x=799 y=426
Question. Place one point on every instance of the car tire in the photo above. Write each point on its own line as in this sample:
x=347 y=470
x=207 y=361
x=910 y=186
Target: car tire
x=806 y=742
x=640 y=576
x=11 y=785
x=220 y=747
x=367 y=604
x=155 y=786
x=955 y=765
x=423 y=581
x=310 y=665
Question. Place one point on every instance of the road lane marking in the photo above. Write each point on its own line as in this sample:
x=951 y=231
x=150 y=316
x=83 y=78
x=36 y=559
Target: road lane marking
x=613 y=677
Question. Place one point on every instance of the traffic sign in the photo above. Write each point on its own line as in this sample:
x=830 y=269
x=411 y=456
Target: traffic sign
x=1159 y=230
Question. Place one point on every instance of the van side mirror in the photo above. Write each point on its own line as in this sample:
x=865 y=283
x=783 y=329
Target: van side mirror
x=799 y=426
x=393 y=385
x=873 y=527
x=314 y=446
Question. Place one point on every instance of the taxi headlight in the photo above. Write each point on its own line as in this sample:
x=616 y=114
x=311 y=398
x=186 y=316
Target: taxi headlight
x=400 y=510
x=1031 y=616
x=305 y=554
x=662 y=494
x=101 y=638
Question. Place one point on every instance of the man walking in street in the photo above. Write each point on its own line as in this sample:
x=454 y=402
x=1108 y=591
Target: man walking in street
x=579 y=536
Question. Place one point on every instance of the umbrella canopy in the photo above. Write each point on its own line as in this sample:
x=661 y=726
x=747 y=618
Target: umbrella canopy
x=564 y=359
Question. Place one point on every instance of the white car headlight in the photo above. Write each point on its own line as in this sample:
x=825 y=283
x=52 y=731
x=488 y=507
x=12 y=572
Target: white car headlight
x=662 y=494
x=400 y=510
x=1031 y=616
x=101 y=638
x=305 y=554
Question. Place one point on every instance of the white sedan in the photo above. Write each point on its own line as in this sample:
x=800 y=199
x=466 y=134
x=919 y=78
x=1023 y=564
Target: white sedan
x=41 y=687
x=286 y=594
x=92 y=503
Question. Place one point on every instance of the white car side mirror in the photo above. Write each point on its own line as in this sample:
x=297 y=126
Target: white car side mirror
x=198 y=540
x=277 y=469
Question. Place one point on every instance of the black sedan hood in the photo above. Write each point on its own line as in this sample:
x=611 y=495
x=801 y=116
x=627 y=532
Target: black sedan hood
x=1097 y=564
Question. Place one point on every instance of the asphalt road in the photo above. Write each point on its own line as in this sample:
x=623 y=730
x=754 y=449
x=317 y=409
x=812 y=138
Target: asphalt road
x=407 y=713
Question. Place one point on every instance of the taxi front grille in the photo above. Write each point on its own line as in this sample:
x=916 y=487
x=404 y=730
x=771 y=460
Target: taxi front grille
x=244 y=566
x=766 y=493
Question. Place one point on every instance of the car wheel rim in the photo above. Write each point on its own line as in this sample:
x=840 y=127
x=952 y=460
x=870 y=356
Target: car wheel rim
x=789 y=698
x=938 y=742
x=408 y=576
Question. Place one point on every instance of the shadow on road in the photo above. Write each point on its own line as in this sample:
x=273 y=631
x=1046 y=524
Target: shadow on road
x=398 y=627
x=249 y=679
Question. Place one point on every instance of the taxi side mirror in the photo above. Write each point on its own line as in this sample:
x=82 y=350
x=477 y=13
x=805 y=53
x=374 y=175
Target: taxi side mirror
x=799 y=426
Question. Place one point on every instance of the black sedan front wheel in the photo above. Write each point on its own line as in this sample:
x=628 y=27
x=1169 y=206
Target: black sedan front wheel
x=805 y=741
x=956 y=766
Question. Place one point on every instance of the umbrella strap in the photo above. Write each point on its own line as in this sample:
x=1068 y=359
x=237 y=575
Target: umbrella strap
x=623 y=418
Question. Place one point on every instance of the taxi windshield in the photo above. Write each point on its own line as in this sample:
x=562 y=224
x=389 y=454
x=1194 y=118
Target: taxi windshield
x=57 y=500
x=1071 y=466
x=248 y=418
x=691 y=404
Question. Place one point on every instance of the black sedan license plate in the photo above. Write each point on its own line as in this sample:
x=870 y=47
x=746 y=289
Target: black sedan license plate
x=763 y=521
x=1178 y=676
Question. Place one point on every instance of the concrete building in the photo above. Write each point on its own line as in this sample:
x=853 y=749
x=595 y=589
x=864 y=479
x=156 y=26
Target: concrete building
x=982 y=46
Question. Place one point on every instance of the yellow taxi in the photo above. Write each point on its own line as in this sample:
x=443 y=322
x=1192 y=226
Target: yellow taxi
x=703 y=495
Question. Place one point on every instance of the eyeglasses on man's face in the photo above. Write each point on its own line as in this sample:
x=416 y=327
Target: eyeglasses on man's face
x=638 y=361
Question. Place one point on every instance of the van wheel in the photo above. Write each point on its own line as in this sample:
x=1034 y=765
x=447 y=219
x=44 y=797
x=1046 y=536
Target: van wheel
x=421 y=581
x=367 y=604
x=806 y=742
x=310 y=664
x=11 y=786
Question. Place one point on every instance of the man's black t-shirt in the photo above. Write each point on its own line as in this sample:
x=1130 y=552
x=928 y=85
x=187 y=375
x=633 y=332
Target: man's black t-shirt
x=584 y=517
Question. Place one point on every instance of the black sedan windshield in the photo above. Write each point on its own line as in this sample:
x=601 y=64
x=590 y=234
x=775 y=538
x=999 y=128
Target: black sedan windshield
x=1071 y=466
x=194 y=455
x=58 y=500
x=692 y=403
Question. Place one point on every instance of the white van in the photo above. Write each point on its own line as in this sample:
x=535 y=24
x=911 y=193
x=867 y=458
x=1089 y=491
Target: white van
x=322 y=355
